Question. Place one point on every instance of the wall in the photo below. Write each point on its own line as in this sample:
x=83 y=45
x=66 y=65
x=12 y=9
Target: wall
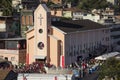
x=84 y=43
x=60 y=35
x=54 y=51
x=12 y=55
x=30 y=45
x=94 y=18
x=56 y=12
x=67 y=14
x=22 y=56
x=45 y=76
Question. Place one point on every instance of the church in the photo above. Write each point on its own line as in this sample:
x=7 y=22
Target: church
x=60 y=42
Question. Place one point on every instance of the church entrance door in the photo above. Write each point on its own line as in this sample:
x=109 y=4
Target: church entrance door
x=40 y=60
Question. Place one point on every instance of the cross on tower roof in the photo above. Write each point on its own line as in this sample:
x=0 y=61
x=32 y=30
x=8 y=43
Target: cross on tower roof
x=40 y=19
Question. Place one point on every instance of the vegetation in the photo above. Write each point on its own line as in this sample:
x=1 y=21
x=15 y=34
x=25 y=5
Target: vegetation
x=49 y=3
x=111 y=69
x=93 y=4
x=6 y=7
x=116 y=7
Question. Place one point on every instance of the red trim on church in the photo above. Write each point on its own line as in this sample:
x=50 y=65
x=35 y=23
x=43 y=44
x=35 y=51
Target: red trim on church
x=62 y=61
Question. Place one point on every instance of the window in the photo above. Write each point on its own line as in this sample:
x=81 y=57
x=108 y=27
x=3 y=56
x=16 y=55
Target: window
x=40 y=45
x=11 y=44
x=85 y=14
x=40 y=30
x=61 y=48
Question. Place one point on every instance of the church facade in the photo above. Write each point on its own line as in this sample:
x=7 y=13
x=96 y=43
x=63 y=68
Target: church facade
x=61 y=42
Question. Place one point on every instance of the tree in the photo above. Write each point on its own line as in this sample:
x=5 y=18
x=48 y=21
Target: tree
x=6 y=6
x=93 y=4
x=110 y=68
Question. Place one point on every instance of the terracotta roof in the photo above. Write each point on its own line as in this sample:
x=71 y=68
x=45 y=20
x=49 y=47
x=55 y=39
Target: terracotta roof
x=76 y=25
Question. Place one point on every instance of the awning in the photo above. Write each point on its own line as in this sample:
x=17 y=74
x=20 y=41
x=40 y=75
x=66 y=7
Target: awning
x=106 y=56
x=39 y=57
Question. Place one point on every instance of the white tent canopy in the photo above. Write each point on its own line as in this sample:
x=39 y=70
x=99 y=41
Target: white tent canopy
x=106 y=56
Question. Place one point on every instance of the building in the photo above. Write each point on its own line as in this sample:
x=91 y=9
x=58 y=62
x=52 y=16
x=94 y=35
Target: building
x=14 y=50
x=30 y=4
x=62 y=42
x=54 y=1
x=9 y=27
x=115 y=34
x=15 y=3
x=26 y=21
x=107 y=17
x=92 y=17
x=114 y=2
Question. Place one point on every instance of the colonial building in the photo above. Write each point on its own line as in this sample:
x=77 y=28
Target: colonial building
x=62 y=42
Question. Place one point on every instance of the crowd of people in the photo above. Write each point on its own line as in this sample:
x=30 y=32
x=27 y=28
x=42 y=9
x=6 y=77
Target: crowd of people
x=35 y=67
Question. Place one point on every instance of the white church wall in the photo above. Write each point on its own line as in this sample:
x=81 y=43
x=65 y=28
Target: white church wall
x=84 y=42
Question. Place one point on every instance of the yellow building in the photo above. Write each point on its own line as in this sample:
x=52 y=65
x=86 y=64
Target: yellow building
x=62 y=42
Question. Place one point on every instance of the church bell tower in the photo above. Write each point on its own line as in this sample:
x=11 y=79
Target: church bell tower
x=42 y=23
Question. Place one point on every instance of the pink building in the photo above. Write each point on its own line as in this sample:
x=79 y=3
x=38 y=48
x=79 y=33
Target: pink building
x=62 y=42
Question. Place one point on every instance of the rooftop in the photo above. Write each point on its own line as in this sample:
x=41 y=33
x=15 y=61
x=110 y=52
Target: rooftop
x=76 y=25
x=11 y=39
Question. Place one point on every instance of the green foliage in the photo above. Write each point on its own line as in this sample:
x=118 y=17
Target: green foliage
x=93 y=4
x=6 y=6
x=49 y=4
x=110 y=68
x=70 y=1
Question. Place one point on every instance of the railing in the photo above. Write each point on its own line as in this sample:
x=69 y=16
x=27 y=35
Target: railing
x=9 y=51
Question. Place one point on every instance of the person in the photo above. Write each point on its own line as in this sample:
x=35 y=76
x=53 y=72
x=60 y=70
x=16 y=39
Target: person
x=76 y=74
